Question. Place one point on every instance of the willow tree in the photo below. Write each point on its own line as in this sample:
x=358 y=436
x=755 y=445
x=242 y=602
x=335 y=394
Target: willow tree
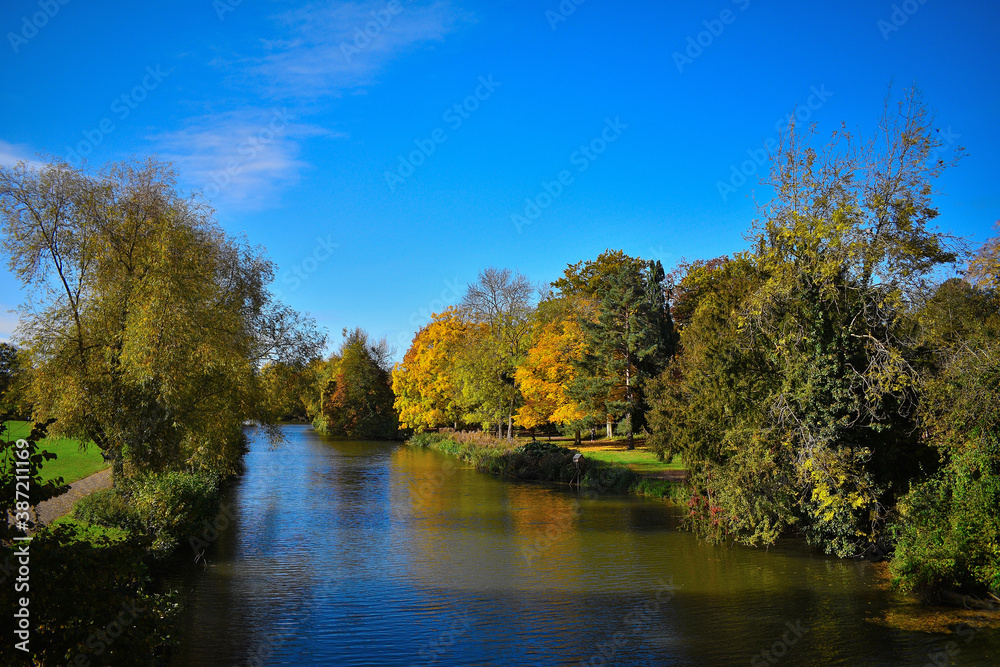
x=146 y=325
x=12 y=383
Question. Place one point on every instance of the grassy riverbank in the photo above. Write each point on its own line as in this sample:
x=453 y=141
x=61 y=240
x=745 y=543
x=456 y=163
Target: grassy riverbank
x=604 y=467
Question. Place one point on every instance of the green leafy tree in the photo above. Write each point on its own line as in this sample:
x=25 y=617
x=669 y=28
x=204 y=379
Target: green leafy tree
x=13 y=384
x=948 y=531
x=358 y=401
x=709 y=404
x=486 y=386
x=806 y=369
x=628 y=334
x=147 y=325
x=948 y=534
x=846 y=244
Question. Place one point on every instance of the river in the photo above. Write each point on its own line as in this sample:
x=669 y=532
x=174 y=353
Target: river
x=368 y=553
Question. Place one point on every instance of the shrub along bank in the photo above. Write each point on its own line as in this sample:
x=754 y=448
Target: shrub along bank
x=164 y=510
x=539 y=461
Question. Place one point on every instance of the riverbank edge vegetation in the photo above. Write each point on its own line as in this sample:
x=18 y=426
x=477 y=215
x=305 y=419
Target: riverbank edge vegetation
x=836 y=380
x=539 y=461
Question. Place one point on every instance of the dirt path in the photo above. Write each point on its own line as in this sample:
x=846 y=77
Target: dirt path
x=51 y=510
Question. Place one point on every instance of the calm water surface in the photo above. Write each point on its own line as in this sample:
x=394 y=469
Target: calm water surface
x=366 y=553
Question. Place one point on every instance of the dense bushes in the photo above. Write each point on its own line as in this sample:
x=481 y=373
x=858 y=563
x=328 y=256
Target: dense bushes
x=948 y=535
x=535 y=461
x=602 y=477
x=478 y=448
x=167 y=508
x=948 y=532
x=91 y=583
x=660 y=488
x=108 y=507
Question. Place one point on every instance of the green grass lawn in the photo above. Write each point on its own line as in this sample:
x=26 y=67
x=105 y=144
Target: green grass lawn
x=639 y=459
x=70 y=463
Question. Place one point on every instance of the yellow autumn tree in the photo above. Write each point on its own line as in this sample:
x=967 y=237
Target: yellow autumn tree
x=547 y=372
x=425 y=384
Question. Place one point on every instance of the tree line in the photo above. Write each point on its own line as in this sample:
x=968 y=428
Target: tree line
x=573 y=357
x=838 y=379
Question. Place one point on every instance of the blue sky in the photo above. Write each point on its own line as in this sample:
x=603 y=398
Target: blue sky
x=384 y=152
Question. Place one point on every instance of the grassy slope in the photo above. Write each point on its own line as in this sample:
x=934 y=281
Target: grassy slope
x=70 y=463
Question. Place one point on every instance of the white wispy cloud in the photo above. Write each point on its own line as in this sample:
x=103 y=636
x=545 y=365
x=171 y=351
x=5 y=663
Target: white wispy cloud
x=335 y=46
x=11 y=154
x=239 y=158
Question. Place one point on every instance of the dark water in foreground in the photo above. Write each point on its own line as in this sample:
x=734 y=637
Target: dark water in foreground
x=361 y=553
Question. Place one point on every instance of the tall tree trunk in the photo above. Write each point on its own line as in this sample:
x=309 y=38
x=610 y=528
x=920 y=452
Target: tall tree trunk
x=510 y=421
x=628 y=385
